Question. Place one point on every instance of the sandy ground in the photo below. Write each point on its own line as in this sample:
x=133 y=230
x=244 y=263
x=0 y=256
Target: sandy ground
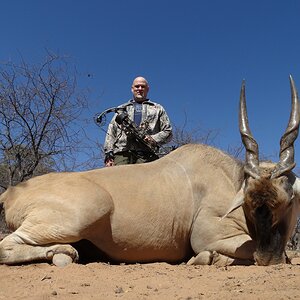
x=150 y=281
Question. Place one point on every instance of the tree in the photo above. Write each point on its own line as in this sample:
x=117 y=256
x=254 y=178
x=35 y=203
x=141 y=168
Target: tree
x=39 y=109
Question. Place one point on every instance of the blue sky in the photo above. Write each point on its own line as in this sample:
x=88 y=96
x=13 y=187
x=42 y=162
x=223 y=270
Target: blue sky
x=194 y=54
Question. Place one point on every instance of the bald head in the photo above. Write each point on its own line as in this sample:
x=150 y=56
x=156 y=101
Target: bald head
x=139 y=89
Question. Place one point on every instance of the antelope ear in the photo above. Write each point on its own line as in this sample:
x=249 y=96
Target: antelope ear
x=237 y=201
x=296 y=186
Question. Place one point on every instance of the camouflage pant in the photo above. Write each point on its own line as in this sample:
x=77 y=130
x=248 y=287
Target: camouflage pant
x=133 y=157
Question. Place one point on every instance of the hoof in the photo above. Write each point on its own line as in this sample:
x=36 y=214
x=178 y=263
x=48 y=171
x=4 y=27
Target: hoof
x=61 y=260
x=191 y=261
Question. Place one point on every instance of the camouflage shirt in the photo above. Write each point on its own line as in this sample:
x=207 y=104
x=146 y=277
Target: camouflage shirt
x=154 y=118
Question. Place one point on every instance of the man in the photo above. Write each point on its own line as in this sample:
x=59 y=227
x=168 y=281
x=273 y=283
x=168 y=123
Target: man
x=148 y=116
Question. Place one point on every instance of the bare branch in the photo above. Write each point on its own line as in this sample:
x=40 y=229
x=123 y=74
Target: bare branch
x=38 y=106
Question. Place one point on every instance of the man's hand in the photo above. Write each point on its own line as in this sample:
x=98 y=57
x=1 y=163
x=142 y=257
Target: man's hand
x=109 y=163
x=150 y=140
x=109 y=159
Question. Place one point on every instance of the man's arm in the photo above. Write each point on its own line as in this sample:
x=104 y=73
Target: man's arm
x=165 y=134
x=109 y=143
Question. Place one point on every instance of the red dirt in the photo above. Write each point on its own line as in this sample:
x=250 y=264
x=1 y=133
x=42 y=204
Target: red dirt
x=150 y=281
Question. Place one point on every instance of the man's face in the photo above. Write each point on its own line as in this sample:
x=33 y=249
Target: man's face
x=140 y=89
